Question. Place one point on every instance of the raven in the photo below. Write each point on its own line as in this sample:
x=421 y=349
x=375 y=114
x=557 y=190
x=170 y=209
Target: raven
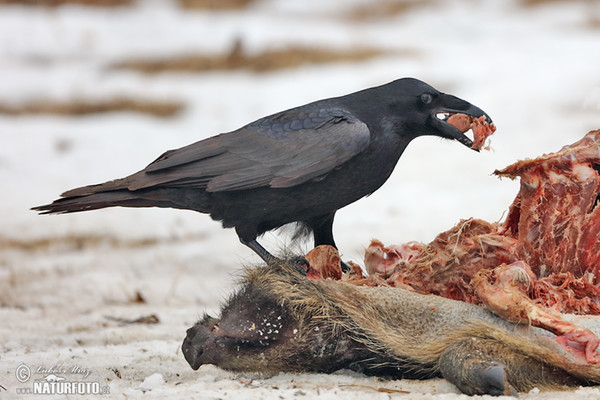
x=299 y=165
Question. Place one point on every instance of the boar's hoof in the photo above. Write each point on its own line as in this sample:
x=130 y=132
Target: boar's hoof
x=494 y=380
x=473 y=372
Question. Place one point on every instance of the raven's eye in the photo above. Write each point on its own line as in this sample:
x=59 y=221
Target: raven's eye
x=426 y=98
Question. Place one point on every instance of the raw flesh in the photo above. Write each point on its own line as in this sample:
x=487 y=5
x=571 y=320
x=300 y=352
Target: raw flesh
x=542 y=261
x=480 y=127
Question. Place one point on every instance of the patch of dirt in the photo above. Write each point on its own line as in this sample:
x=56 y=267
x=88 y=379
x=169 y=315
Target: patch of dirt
x=533 y=3
x=162 y=109
x=236 y=58
x=82 y=242
x=386 y=9
x=214 y=4
x=57 y=3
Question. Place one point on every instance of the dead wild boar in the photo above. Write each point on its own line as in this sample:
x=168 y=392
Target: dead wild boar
x=279 y=320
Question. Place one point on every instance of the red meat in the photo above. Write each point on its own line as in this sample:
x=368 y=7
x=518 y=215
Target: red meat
x=542 y=261
x=480 y=127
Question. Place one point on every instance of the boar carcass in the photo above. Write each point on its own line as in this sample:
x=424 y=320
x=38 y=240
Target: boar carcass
x=280 y=320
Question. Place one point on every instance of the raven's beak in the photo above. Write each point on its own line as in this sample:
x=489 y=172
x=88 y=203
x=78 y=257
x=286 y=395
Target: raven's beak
x=451 y=105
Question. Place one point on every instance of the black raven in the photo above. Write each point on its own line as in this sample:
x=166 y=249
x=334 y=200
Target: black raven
x=299 y=165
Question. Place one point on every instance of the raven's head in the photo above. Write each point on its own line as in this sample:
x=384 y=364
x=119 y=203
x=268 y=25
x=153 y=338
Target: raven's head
x=427 y=111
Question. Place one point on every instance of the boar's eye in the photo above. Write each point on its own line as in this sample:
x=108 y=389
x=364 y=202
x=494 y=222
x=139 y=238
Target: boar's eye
x=426 y=98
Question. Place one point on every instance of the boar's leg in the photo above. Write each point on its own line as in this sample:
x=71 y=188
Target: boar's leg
x=463 y=364
x=486 y=366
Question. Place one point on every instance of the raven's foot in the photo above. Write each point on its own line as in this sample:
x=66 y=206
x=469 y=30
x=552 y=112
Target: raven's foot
x=345 y=267
x=301 y=264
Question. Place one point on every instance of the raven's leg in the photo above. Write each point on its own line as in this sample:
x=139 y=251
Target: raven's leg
x=322 y=228
x=260 y=251
x=301 y=263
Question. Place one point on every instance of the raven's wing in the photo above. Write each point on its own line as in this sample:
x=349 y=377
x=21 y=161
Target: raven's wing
x=279 y=151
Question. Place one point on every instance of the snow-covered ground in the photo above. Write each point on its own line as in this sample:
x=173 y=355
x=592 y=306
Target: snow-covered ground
x=64 y=279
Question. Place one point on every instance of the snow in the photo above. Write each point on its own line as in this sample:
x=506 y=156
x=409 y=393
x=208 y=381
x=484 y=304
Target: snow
x=533 y=69
x=152 y=382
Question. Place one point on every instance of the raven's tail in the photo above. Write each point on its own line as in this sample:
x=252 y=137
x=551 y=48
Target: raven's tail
x=109 y=194
x=95 y=201
x=116 y=194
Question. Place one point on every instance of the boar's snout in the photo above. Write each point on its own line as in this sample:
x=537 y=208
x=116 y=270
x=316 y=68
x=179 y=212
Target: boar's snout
x=199 y=338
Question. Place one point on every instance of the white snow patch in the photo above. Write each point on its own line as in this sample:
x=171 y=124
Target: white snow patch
x=152 y=382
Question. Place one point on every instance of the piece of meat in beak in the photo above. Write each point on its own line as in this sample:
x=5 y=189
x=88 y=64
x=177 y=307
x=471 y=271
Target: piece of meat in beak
x=454 y=120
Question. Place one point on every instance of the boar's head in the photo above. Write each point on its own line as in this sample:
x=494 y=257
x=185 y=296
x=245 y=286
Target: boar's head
x=278 y=321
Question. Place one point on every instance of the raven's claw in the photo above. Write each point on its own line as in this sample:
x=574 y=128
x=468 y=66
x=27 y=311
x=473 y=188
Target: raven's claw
x=301 y=264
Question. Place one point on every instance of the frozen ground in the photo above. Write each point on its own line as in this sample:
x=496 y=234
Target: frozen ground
x=64 y=279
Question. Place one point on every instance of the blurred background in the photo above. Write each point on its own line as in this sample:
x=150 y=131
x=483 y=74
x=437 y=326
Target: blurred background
x=92 y=90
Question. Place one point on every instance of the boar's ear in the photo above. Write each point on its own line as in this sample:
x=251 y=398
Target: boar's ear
x=468 y=365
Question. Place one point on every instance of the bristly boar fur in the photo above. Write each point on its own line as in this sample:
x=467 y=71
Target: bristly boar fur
x=281 y=321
